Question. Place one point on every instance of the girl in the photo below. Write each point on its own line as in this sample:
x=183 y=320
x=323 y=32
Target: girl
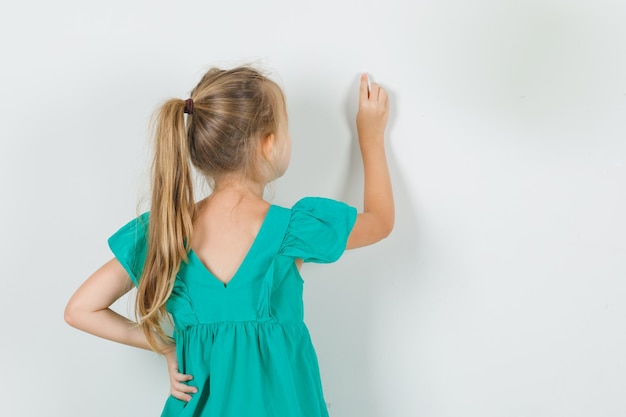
x=226 y=268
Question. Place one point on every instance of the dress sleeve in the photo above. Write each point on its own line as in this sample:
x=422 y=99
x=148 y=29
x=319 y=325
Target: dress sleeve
x=129 y=245
x=318 y=230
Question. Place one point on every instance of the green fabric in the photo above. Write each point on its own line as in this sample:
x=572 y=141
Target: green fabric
x=246 y=343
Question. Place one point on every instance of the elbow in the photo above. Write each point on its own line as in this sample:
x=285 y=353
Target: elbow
x=71 y=315
x=382 y=228
x=386 y=230
x=380 y=232
x=386 y=226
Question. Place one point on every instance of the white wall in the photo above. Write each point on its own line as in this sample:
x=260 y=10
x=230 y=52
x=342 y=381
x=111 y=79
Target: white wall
x=500 y=292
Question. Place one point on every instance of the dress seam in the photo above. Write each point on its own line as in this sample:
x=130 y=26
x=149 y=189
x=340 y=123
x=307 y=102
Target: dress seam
x=262 y=323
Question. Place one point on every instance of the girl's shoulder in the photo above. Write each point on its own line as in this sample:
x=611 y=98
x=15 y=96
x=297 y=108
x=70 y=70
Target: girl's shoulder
x=318 y=229
x=130 y=245
x=321 y=209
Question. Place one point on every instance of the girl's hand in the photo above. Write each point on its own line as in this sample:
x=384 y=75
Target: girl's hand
x=371 y=119
x=177 y=387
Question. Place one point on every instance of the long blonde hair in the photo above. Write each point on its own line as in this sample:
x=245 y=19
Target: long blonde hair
x=232 y=111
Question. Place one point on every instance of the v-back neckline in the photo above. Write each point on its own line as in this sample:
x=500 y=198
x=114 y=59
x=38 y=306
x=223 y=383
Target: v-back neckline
x=255 y=243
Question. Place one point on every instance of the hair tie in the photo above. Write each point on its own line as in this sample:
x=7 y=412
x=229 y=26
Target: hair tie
x=189 y=106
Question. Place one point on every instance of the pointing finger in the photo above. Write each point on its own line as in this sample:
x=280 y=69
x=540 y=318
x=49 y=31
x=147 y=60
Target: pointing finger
x=363 y=92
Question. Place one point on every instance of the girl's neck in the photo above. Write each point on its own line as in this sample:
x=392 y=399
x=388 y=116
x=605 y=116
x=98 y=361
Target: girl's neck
x=244 y=188
x=231 y=194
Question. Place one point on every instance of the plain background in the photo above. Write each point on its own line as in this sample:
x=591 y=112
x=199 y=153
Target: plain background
x=501 y=290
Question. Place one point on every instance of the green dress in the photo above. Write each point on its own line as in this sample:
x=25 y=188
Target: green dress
x=245 y=343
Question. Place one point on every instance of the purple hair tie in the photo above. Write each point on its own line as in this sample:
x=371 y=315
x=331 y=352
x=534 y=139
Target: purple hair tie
x=189 y=106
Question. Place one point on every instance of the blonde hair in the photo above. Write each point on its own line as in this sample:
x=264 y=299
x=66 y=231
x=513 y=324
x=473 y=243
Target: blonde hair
x=233 y=110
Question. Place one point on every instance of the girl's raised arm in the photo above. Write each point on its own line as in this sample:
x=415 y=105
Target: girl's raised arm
x=377 y=219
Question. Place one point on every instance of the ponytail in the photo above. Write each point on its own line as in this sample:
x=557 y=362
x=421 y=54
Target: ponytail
x=171 y=216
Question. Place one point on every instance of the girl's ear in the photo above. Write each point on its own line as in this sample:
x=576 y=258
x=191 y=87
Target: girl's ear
x=267 y=146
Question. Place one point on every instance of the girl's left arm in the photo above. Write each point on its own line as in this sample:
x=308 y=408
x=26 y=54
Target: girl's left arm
x=89 y=310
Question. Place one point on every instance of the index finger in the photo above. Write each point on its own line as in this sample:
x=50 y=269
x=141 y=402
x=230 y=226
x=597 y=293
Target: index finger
x=364 y=90
x=182 y=377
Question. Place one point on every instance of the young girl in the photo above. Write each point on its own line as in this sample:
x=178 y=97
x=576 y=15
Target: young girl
x=226 y=268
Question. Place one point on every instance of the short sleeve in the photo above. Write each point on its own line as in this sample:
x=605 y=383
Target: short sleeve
x=318 y=230
x=129 y=245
